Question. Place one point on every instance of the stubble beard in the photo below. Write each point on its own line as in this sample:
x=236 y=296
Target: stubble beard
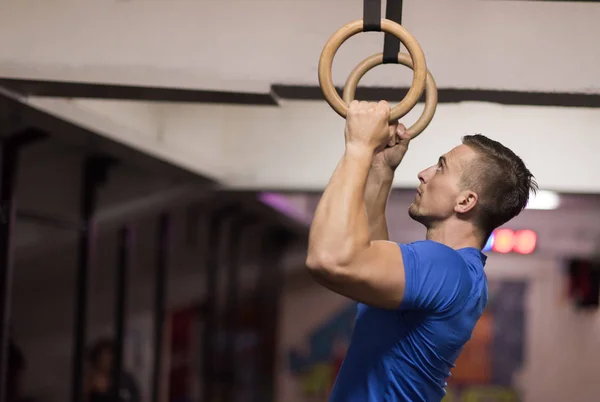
x=416 y=215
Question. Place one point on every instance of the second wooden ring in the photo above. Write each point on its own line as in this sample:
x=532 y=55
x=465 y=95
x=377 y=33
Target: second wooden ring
x=431 y=94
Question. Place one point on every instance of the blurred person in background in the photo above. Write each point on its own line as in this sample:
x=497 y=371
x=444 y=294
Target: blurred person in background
x=99 y=382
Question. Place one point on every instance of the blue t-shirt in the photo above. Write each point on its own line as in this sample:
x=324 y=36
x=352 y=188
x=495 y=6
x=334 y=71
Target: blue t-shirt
x=406 y=354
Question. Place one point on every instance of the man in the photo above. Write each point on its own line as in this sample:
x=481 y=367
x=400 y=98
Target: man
x=418 y=302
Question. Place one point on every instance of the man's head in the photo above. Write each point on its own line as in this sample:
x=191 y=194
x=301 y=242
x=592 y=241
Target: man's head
x=480 y=181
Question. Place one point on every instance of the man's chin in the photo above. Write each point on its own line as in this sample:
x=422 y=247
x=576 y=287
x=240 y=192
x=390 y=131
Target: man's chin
x=413 y=212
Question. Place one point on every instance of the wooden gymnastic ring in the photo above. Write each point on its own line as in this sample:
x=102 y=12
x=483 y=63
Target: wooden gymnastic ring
x=353 y=28
x=431 y=93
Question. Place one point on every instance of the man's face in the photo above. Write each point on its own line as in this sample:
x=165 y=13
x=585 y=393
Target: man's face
x=440 y=189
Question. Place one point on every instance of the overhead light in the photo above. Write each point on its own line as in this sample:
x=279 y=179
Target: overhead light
x=544 y=200
x=280 y=203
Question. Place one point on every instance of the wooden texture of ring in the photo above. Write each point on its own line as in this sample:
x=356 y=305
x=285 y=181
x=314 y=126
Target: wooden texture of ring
x=353 y=28
x=431 y=94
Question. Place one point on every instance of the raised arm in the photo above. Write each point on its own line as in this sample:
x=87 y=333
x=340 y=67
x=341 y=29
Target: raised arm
x=377 y=191
x=379 y=182
x=341 y=254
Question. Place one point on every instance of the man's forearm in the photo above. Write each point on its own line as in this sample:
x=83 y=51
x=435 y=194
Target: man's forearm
x=376 y=196
x=340 y=227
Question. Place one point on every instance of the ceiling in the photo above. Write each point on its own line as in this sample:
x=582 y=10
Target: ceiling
x=247 y=46
x=259 y=51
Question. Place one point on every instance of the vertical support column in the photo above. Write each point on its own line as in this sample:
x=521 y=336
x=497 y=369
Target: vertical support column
x=94 y=174
x=9 y=167
x=211 y=258
x=252 y=386
x=9 y=154
x=270 y=282
x=213 y=235
x=124 y=247
x=230 y=260
x=160 y=297
x=237 y=230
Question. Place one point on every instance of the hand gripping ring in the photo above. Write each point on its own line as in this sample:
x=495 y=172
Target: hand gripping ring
x=353 y=28
x=431 y=94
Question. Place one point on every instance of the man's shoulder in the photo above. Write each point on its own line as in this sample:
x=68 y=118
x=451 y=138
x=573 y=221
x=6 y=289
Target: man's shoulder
x=433 y=250
x=433 y=265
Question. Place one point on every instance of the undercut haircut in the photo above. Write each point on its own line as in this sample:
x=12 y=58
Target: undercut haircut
x=501 y=180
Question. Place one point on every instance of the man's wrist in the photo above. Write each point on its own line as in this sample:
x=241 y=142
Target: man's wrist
x=379 y=183
x=359 y=152
x=382 y=173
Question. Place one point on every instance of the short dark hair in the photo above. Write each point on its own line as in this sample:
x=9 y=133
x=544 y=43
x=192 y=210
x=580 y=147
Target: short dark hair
x=501 y=180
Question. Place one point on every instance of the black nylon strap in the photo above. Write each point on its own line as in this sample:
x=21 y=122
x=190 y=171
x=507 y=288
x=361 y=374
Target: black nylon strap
x=391 y=44
x=372 y=16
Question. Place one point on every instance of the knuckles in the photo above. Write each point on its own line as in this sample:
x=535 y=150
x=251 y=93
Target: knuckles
x=362 y=108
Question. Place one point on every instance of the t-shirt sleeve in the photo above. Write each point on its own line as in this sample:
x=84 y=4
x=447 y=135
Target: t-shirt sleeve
x=437 y=278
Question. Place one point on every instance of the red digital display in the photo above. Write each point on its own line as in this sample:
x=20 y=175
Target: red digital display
x=506 y=241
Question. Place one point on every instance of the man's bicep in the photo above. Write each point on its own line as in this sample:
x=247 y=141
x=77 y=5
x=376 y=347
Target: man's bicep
x=375 y=277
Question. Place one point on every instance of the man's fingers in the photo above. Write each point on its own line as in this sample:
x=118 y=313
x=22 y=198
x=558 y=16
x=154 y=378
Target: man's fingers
x=383 y=104
x=402 y=132
x=393 y=128
x=383 y=108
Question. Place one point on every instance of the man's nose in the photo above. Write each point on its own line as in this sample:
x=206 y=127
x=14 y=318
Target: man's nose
x=422 y=176
x=425 y=175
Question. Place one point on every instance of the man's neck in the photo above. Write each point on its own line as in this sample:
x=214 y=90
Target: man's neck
x=455 y=234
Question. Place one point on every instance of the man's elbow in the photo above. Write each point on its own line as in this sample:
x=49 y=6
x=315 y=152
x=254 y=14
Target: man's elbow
x=327 y=265
x=324 y=254
x=319 y=261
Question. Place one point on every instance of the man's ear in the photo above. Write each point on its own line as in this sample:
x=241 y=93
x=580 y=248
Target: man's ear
x=466 y=201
